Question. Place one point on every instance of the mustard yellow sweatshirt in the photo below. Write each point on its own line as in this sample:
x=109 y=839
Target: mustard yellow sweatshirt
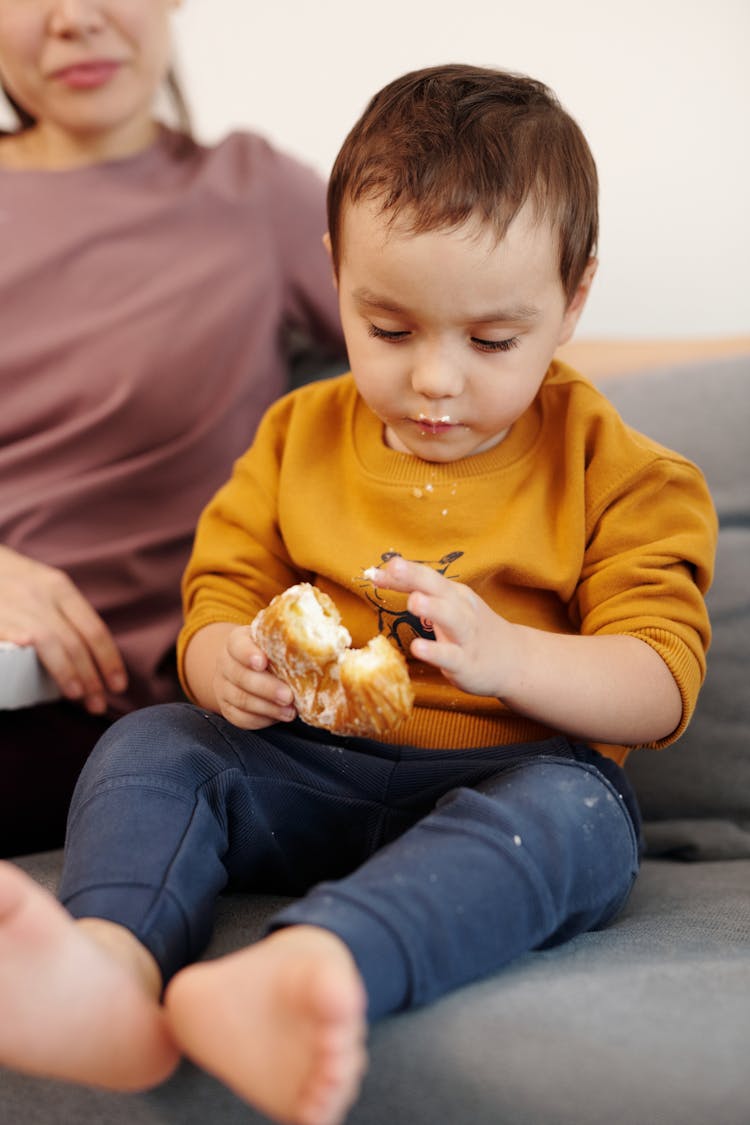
x=574 y=523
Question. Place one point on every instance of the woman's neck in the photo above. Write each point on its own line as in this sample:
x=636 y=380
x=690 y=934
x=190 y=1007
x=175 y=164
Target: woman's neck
x=44 y=148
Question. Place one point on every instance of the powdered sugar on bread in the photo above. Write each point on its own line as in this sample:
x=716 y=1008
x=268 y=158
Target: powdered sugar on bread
x=365 y=692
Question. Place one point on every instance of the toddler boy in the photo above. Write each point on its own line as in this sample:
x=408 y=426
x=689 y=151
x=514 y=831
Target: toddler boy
x=541 y=566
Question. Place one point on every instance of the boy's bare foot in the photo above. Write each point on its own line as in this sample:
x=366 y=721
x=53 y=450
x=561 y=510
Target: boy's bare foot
x=68 y=1007
x=281 y=1022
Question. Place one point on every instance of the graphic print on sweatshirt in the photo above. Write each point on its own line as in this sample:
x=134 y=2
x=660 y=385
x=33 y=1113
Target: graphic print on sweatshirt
x=394 y=619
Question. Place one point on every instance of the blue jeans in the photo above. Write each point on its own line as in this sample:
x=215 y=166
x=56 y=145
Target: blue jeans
x=435 y=867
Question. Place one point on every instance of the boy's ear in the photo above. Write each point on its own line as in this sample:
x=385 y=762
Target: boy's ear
x=577 y=302
x=327 y=244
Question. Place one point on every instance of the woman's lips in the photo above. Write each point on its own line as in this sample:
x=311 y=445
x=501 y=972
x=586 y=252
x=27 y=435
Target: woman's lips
x=87 y=76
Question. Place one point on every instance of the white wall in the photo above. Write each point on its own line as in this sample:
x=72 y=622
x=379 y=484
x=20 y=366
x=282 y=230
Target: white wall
x=661 y=88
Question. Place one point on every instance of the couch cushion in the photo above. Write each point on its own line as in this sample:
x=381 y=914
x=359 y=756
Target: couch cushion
x=696 y=795
x=646 y=1021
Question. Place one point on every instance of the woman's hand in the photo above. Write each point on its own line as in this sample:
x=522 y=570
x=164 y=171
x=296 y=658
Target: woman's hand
x=40 y=606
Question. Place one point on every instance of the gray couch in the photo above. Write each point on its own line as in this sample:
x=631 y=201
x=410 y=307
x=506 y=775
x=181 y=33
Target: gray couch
x=645 y=1023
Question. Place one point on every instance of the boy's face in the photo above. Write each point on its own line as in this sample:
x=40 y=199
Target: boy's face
x=450 y=332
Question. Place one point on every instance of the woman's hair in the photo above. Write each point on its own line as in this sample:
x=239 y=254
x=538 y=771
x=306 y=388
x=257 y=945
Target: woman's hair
x=179 y=103
x=25 y=120
x=174 y=90
x=439 y=145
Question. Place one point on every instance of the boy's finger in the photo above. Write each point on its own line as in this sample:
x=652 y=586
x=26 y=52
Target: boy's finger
x=243 y=649
x=402 y=574
x=257 y=698
x=445 y=656
x=263 y=686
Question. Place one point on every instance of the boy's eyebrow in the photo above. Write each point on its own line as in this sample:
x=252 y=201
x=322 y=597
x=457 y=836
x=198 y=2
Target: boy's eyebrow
x=365 y=296
x=512 y=314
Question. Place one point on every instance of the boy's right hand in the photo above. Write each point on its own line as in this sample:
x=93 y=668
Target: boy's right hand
x=247 y=694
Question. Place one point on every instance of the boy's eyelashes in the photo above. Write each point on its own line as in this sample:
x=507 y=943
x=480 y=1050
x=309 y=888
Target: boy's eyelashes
x=495 y=345
x=384 y=334
x=482 y=345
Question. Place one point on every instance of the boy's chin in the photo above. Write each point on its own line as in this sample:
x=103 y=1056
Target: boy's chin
x=439 y=447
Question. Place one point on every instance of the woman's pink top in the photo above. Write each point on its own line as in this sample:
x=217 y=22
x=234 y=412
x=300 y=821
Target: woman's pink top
x=144 y=309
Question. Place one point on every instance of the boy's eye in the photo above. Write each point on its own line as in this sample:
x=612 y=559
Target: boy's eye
x=384 y=334
x=495 y=345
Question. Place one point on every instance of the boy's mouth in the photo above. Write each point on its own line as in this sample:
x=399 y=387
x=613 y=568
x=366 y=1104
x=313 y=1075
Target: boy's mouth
x=435 y=426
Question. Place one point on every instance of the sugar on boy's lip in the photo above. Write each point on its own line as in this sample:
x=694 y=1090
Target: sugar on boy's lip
x=435 y=426
x=88 y=74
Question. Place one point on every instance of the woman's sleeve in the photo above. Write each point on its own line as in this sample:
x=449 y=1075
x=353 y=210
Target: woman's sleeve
x=296 y=202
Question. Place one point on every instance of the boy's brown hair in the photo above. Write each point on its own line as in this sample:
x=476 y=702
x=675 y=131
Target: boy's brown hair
x=439 y=145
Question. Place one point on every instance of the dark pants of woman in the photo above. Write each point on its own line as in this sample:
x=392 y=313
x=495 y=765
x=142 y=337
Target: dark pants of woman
x=435 y=867
x=42 y=752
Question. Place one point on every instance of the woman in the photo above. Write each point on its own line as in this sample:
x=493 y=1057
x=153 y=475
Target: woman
x=148 y=287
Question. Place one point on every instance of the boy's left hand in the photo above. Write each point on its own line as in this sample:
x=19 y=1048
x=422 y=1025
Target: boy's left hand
x=472 y=645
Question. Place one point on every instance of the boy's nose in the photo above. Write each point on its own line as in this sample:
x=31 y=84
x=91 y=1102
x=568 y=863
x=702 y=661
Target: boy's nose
x=435 y=375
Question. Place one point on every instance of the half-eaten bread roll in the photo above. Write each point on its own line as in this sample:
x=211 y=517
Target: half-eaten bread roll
x=363 y=691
